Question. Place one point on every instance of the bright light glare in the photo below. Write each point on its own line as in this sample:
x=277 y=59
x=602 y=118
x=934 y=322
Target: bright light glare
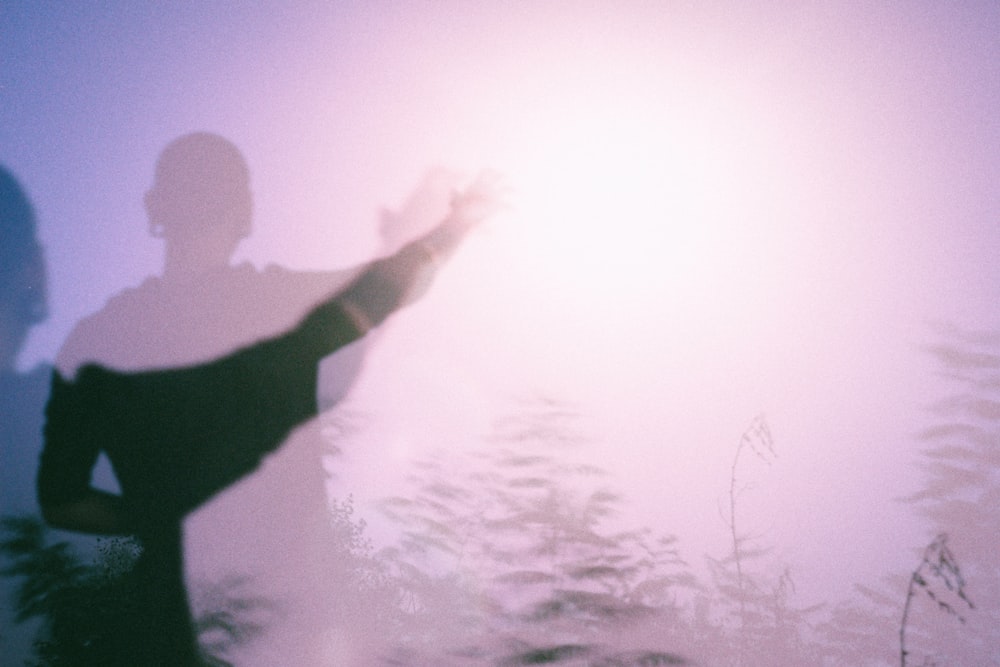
x=624 y=201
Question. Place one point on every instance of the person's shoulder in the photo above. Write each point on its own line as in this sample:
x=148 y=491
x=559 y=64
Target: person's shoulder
x=120 y=307
x=306 y=285
x=94 y=337
x=129 y=298
x=274 y=277
x=81 y=346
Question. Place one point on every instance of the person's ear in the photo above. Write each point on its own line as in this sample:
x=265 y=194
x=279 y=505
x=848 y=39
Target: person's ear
x=151 y=201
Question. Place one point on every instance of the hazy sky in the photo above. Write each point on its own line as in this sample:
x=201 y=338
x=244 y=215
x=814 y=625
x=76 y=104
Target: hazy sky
x=719 y=209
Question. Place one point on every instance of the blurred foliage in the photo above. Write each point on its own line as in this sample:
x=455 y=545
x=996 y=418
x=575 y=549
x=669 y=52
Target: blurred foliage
x=863 y=629
x=229 y=619
x=960 y=496
x=516 y=555
x=517 y=546
x=519 y=552
x=82 y=606
x=747 y=611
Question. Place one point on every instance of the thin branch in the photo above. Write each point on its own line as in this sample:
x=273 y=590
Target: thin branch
x=941 y=564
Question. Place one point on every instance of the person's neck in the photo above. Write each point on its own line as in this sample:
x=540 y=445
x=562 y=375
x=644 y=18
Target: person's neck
x=193 y=265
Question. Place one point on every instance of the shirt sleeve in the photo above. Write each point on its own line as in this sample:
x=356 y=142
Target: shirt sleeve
x=70 y=447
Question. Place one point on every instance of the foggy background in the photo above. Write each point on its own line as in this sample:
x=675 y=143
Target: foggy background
x=719 y=211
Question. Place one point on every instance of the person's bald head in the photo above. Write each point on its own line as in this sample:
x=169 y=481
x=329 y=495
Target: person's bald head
x=201 y=182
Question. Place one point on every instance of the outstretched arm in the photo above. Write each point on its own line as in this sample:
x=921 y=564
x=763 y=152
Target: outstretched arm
x=284 y=367
x=392 y=282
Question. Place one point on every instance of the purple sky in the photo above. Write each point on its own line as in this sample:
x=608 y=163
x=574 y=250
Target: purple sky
x=719 y=210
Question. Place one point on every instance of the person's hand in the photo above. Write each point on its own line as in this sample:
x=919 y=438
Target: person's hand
x=423 y=209
x=485 y=197
x=469 y=208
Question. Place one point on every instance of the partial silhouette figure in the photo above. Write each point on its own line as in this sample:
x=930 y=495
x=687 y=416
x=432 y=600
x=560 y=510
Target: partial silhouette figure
x=192 y=380
x=23 y=304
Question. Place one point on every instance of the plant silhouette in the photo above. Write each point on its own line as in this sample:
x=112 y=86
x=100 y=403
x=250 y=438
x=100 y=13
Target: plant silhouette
x=960 y=495
x=83 y=606
x=513 y=545
x=938 y=567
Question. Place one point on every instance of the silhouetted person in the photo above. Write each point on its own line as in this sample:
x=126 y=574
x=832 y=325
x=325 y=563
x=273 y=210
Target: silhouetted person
x=188 y=382
x=23 y=304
